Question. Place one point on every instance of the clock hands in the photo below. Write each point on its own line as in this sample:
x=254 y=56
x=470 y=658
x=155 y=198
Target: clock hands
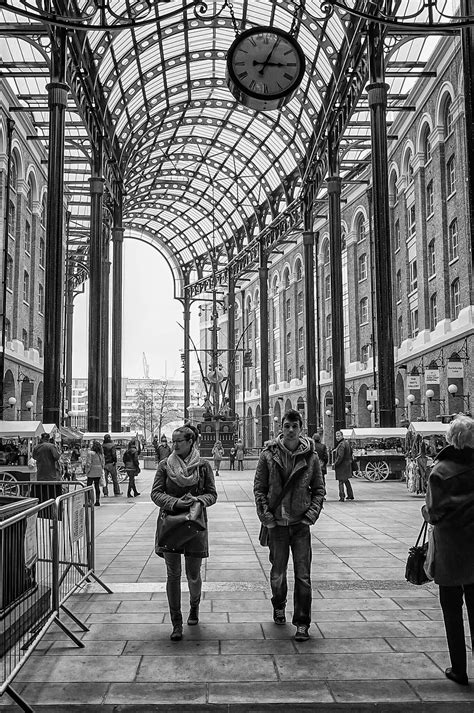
x=270 y=64
x=264 y=64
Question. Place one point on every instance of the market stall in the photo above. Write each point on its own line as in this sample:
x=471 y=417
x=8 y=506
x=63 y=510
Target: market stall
x=423 y=441
x=379 y=452
x=17 y=440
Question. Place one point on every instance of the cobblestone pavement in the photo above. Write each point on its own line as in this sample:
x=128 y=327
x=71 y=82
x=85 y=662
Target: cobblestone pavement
x=377 y=643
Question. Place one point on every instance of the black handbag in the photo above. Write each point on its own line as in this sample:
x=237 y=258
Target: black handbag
x=175 y=529
x=415 y=567
x=263 y=535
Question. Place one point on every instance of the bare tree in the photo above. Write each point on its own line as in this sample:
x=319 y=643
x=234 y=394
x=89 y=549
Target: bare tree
x=153 y=408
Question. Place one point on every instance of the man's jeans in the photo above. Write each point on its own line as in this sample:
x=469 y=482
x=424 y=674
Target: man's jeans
x=173 y=583
x=348 y=485
x=297 y=538
x=112 y=469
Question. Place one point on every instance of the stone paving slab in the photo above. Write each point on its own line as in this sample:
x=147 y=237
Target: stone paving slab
x=377 y=643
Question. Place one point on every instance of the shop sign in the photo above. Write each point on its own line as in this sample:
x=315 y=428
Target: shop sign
x=455 y=370
x=432 y=376
x=413 y=382
x=371 y=394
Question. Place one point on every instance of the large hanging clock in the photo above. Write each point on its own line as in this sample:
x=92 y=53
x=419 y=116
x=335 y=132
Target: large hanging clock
x=265 y=67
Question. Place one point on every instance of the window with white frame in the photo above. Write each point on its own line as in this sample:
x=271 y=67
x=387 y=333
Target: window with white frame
x=288 y=309
x=399 y=331
x=327 y=287
x=453 y=240
x=299 y=270
x=429 y=199
x=328 y=326
x=11 y=221
x=451 y=175
x=433 y=311
x=300 y=302
x=448 y=117
x=431 y=259
x=301 y=369
x=364 y=310
x=413 y=273
x=29 y=195
x=360 y=229
x=329 y=364
x=427 y=146
x=40 y=298
x=326 y=253
x=27 y=237
x=396 y=235
x=411 y=222
x=26 y=286
x=413 y=322
x=363 y=267
x=455 y=299
x=399 y=286
x=300 y=338
x=288 y=342
x=42 y=252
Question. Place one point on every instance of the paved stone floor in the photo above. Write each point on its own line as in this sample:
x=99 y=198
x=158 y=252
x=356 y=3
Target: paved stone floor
x=377 y=643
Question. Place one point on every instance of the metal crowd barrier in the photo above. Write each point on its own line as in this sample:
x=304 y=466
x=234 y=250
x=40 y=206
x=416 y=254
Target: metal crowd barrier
x=46 y=553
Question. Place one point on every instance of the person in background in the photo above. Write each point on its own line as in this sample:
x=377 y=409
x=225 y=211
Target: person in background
x=180 y=480
x=289 y=466
x=95 y=468
x=110 y=467
x=164 y=449
x=232 y=454
x=218 y=454
x=342 y=462
x=449 y=509
x=132 y=466
x=47 y=458
x=239 y=454
x=323 y=455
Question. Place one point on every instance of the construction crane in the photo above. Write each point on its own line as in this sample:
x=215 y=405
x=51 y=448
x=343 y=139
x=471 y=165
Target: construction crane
x=146 y=368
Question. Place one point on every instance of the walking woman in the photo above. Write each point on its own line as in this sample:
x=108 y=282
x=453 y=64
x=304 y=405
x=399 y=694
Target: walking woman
x=218 y=454
x=180 y=480
x=95 y=468
x=132 y=466
x=239 y=454
x=450 y=509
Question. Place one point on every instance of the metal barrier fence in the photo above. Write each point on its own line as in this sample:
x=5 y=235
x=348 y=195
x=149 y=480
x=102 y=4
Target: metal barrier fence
x=46 y=553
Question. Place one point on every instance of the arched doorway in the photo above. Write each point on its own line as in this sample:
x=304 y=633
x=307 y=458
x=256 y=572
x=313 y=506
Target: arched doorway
x=276 y=418
x=9 y=414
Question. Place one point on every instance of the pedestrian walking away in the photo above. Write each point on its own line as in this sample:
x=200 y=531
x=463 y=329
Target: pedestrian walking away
x=181 y=480
x=289 y=492
x=218 y=455
x=132 y=466
x=323 y=455
x=110 y=467
x=95 y=468
x=239 y=454
x=449 y=509
x=343 y=466
x=232 y=454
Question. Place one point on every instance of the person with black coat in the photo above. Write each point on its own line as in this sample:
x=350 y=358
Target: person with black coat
x=323 y=455
x=449 y=509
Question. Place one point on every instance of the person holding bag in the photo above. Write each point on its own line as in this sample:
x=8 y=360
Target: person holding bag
x=181 y=481
x=450 y=509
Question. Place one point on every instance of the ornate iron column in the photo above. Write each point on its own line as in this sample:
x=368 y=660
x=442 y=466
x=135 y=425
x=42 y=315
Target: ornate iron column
x=231 y=353
x=187 y=347
x=337 y=314
x=54 y=268
x=95 y=293
x=264 y=351
x=377 y=96
x=310 y=332
x=104 y=318
x=117 y=289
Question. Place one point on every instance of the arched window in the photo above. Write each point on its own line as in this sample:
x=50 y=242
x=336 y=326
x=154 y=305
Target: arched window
x=363 y=267
x=455 y=299
x=286 y=279
x=43 y=210
x=433 y=311
x=327 y=287
x=453 y=240
x=429 y=199
x=11 y=221
x=299 y=270
x=451 y=175
x=29 y=194
x=427 y=146
x=326 y=253
x=275 y=285
x=364 y=310
x=13 y=175
x=448 y=117
x=360 y=229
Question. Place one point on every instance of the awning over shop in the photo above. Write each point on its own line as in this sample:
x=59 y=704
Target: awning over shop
x=358 y=433
x=21 y=429
x=428 y=428
x=70 y=434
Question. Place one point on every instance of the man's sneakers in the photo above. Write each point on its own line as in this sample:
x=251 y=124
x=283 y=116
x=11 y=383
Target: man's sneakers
x=279 y=616
x=302 y=633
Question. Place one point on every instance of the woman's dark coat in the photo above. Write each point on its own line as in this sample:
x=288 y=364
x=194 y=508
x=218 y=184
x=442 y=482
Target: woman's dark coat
x=450 y=509
x=343 y=460
x=165 y=492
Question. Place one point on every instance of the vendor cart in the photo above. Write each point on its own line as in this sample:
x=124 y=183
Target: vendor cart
x=379 y=452
x=17 y=439
x=423 y=441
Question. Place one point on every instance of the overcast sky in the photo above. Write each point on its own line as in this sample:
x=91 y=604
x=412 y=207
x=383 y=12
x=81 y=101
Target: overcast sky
x=150 y=316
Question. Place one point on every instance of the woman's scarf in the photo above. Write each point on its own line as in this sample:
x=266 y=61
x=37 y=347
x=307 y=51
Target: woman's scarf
x=183 y=472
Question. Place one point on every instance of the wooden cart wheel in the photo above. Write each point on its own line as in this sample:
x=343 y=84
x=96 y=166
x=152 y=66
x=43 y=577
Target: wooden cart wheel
x=377 y=470
x=10 y=485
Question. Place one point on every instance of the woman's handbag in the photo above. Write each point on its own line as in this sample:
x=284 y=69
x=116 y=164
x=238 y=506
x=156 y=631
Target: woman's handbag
x=175 y=529
x=415 y=567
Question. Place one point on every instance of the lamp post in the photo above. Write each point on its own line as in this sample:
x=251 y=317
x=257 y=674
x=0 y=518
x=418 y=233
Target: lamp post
x=10 y=404
x=453 y=390
x=27 y=409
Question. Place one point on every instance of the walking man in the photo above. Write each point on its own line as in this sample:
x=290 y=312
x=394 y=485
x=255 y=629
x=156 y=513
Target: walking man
x=343 y=466
x=110 y=465
x=289 y=492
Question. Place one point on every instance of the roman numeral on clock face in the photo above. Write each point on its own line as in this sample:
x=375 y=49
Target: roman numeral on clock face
x=288 y=76
x=242 y=75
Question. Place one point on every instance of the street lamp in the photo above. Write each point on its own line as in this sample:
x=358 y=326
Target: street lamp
x=10 y=404
x=328 y=412
x=453 y=390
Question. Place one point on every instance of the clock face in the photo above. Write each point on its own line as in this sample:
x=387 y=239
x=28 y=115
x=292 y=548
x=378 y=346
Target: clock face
x=264 y=67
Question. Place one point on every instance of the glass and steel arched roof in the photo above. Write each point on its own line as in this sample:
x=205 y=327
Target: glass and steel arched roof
x=198 y=168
